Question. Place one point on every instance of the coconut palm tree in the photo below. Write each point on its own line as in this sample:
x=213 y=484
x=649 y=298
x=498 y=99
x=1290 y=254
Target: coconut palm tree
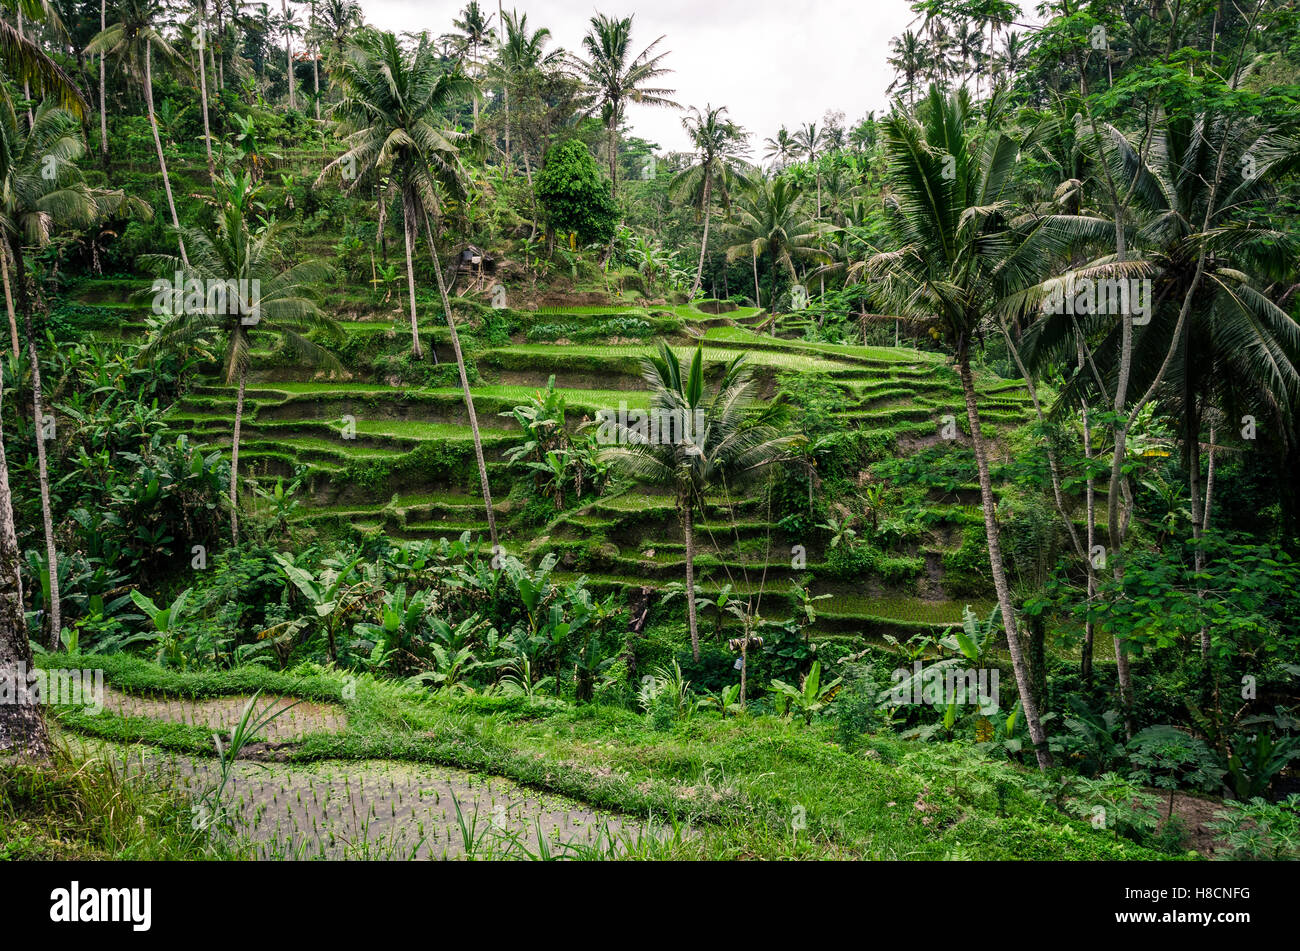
x=392 y=116
x=473 y=31
x=1199 y=228
x=289 y=28
x=22 y=724
x=910 y=62
x=522 y=55
x=781 y=149
x=718 y=143
x=27 y=63
x=768 y=218
x=612 y=77
x=810 y=140
x=948 y=214
x=40 y=189
x=712 y=440
x=134 y=40
x=338 y=20
x=237 y=252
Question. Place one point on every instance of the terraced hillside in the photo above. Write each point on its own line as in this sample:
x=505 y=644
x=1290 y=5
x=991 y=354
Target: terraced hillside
x=376 y=456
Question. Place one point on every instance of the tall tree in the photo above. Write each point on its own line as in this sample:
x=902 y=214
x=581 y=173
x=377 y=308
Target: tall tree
x=40 y=189
x=133 y=40
x=948 y=212
x=393 y=118
x=243 y=256
x=718 y=144
x=713 y=441
x=473 y=31
x=612 y=77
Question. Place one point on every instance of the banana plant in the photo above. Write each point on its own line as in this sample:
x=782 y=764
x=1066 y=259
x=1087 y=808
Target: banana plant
x=167 y=623
x=811 y=697
x=328 y=594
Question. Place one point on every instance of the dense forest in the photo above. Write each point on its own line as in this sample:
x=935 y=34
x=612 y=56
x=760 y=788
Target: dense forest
x=400 y=457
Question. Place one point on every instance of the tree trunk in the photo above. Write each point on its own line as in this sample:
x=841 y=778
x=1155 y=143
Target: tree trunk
x=22 y=725
x=42 y=469
x=288 y=54
x=203 y=97
x=157 y=144
x=9 y=299
x=27 y=89
x=464 y=387
x=234 y=457
x=704 y=242
x=613 y=155
x=408 y=232
x=758 y=298
x=103 y=109
x=1029 y=702
x=687 y=514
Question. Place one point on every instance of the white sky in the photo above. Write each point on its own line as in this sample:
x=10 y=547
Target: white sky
x=769 y=61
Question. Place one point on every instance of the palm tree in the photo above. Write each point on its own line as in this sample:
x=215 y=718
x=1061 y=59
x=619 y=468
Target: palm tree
x=289 y=29
x=273 y=301
x=719 y=143
x=1198 y=226
x=948 y=213
x=133 y=40
x=768 y=218
x=612 y=77
x=910 y=61
x=25 y=61
x=712 y=440
x=339 y=19
x=781 y=149
x=810 y=140
x=201 y=47
x=392 y=116
x=473 y=30
x=522 y=55
x=40 y=188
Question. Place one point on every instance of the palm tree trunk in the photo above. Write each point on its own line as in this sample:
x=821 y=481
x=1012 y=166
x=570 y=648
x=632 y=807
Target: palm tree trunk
x=47 y=519
x=613 y=158
x=288 y=54
x=103 y=109
x=315 y=77
x=234 y=457
x=408 y=229
x=464 y=386
x=758 y=298
x=203 y=97
x=22 y=726
x=1029 y=702
x=704 y=242
x=157 y=144
x=9 y=299
x=27 y=89
x=686 y=513
x=1089 y=629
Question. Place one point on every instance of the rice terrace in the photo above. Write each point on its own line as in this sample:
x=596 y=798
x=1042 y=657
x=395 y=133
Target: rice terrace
x=476 y=432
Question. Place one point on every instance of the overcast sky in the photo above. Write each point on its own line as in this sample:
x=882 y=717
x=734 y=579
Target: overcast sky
x=771 y=62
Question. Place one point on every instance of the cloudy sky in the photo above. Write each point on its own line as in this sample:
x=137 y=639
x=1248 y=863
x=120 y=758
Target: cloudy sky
x=769 y=61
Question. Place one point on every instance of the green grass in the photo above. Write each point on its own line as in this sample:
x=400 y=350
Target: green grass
x=738 y=782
